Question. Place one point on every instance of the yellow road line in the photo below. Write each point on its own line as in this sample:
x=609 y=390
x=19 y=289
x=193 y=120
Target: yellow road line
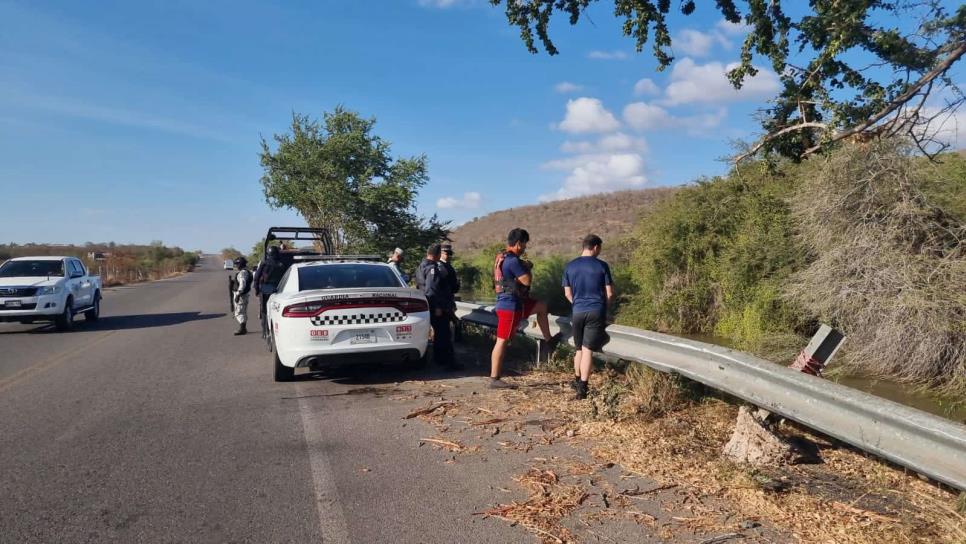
x=34 y=369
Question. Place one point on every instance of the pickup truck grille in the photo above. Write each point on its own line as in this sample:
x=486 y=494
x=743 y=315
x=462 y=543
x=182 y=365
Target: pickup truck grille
x=17 y=291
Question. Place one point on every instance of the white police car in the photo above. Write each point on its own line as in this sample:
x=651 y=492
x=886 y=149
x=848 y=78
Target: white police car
x=345 y=309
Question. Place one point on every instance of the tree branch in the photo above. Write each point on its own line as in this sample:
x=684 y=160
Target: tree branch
x=926 y=81
x=774 y=135
x=955 y=54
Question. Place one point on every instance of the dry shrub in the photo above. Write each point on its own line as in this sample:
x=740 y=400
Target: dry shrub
x=655 y=393
x=889 y=268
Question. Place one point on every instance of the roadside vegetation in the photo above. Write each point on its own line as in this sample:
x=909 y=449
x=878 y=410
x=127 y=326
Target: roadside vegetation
x=117 y=264
x=868 y=239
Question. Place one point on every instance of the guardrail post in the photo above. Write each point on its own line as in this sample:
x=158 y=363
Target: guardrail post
x=819 y=351
x=755 y=440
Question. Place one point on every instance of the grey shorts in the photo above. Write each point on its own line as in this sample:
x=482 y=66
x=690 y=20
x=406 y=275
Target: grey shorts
x=589 y=330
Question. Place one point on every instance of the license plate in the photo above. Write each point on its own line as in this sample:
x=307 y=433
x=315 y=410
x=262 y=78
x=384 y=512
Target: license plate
x=368 y=337
x=13 y=304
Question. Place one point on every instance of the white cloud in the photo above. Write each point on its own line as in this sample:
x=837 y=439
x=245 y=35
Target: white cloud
x=588 y=115
x=644 y=117
x=597 y=173
x=733 y=29
x=611 y=162
x=606 y=144
x=692 y=82
x=699 y=44
x=469 y=201
x=646 y=86
x=703 y=123
x=607 y=55
x=565 y=87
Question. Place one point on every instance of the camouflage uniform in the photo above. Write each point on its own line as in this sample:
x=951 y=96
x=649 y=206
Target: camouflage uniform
x=243 y=280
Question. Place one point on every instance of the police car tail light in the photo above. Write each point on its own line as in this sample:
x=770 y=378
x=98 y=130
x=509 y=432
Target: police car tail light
x=304 y=309
x=412 y=305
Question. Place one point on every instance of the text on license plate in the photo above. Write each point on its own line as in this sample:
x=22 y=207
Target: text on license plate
x=13 y=304
x=367 y=337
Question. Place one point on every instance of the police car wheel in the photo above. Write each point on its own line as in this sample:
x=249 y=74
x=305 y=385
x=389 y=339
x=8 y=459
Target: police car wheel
x=417 y=364
x=282 y=373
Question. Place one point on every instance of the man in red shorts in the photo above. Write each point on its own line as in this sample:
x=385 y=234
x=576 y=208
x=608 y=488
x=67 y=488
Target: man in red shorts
x=513 y=303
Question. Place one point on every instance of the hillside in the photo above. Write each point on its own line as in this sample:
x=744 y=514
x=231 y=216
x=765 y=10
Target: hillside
x=556 y=228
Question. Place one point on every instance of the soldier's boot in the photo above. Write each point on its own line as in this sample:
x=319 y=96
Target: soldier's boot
x=241 y=330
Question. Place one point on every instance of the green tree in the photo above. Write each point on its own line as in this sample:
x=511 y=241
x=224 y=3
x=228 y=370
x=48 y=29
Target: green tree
x=341 y=176
x=846 y=71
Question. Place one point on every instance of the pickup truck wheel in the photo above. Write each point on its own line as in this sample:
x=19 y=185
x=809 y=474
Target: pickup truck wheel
x=94 y=313
x=282 y=372
x=65 y=321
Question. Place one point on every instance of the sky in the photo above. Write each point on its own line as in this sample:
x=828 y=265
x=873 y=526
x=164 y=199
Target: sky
x=139 y=121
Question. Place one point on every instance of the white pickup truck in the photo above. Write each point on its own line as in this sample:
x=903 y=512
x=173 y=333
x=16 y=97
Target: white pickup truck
x=48 y=289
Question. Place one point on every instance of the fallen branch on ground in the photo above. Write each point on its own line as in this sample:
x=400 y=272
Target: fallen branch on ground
x=451 y=446
x=431 y=409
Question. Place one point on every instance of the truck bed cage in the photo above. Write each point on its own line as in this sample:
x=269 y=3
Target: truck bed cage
x=309 y=234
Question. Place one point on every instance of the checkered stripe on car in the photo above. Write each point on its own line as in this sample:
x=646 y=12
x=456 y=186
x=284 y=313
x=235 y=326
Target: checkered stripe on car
x=358 y=319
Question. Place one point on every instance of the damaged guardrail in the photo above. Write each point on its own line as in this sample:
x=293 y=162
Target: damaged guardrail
x=919 y=441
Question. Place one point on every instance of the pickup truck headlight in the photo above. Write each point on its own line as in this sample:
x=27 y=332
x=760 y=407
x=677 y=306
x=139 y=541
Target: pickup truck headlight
x=48 y=290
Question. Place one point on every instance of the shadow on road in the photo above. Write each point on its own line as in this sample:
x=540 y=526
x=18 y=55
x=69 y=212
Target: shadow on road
x=118 y=323
x=147 y=321
x=383 y=373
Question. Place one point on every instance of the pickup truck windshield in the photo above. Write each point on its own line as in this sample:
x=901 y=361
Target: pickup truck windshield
x=343 y=276
x=22 y=269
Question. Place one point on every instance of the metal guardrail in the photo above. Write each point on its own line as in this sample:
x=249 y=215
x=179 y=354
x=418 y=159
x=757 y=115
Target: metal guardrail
x=922 y=442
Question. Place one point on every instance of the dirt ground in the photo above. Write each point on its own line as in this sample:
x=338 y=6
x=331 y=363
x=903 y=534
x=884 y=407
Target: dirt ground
x=606 y=470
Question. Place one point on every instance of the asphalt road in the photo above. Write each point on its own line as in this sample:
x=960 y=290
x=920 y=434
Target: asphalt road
x=155 y=424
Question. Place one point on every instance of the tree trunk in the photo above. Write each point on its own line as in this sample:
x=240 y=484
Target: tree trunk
x=755 y=442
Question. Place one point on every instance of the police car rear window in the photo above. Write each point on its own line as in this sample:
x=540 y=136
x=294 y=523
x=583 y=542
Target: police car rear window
x=346 y=276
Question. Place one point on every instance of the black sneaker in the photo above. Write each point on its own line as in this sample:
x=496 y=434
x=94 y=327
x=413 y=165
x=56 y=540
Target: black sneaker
x=575 y=383
x=581 y=391
x=497 y=383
